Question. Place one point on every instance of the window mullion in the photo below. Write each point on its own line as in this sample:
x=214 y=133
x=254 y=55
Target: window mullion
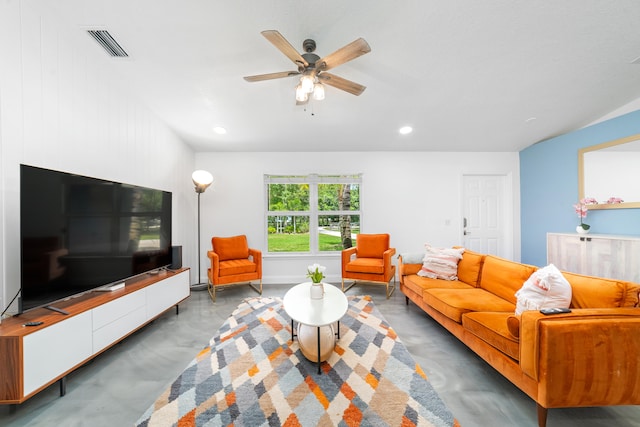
x=313 y=218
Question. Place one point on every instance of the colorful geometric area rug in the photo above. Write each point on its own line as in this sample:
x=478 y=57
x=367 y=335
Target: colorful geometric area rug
x=252 y=374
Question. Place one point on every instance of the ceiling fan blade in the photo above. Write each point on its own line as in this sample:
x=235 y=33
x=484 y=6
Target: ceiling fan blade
x=271 y=76
x=340 y=83
x=351 y=51
x=285 y=47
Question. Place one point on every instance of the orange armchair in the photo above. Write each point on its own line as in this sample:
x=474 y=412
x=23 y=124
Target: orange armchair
x=369 y=261
x=233 y=262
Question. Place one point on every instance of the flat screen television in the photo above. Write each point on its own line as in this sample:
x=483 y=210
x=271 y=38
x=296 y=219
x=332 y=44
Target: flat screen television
x=79 y=233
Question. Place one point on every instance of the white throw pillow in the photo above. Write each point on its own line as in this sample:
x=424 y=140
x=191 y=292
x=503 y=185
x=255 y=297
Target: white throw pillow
x=412 y=257
x=441 y=263
x=545 y=288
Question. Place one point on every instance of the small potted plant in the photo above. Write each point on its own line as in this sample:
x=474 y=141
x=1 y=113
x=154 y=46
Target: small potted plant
x=316 y=273
x=581 y=209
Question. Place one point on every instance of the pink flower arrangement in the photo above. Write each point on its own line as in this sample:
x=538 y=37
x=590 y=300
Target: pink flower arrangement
x=614 y=200
x=581 y=209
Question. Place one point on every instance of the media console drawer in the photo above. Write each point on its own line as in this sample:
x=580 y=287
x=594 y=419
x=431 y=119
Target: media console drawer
x=117 y=318
x=112 y=311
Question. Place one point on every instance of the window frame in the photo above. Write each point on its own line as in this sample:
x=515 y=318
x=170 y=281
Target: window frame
x=313 y=180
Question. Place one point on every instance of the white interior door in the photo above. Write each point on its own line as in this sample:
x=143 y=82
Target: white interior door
x=483 y=214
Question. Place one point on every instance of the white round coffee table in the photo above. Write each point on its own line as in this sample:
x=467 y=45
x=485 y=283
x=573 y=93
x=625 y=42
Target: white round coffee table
x=315 y=313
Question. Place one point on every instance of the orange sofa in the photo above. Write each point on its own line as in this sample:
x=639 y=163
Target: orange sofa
x=589 y=357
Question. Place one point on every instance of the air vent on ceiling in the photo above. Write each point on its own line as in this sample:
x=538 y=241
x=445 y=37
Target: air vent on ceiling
x=109 y=44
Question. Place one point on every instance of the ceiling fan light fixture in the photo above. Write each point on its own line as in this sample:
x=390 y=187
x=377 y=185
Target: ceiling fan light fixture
x=311 y=67
x=307 y=82
x=301 y=94
x=318 y=92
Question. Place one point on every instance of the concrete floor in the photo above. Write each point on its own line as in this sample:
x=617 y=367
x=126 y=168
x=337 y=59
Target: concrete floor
x=118 y=386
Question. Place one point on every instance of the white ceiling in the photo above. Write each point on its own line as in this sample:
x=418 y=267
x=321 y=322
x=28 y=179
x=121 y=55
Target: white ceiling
x=468 y=75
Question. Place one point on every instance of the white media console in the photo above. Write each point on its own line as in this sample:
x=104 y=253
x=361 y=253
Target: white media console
x=34 y=357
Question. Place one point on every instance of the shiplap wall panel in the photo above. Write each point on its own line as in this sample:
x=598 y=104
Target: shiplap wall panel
x=64 y=105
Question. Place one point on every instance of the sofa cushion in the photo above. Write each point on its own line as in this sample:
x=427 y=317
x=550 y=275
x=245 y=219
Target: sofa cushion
x=503 y=277
x=596 y=292
x=237 y=266
x=419 y=284
x=366 y=265
x=513 y=325
x=441 y=263
x=372 y=245
x=492 y=328
x=545 y=288
x=235 y=247
x=469 y=267
x=453 y=303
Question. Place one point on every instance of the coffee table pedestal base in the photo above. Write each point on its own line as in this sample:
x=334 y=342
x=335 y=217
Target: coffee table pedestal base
x=308 y=341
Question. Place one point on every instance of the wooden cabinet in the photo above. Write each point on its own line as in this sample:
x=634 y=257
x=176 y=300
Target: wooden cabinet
x=33 y=358
x=615 y=257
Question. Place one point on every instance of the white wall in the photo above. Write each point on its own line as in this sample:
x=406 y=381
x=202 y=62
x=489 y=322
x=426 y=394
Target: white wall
x=409 y=195
x=62 y=107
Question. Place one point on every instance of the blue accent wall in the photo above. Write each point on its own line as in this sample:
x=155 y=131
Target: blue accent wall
x=549 y=188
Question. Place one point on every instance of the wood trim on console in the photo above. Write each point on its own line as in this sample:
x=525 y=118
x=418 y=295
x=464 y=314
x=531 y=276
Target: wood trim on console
x=13 y=332
x=10 y=370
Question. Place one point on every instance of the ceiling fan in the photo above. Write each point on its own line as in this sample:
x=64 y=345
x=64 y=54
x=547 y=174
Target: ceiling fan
x=312 y=68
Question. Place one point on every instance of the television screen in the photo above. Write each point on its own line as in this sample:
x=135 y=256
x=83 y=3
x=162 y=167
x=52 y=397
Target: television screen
x=79 y=233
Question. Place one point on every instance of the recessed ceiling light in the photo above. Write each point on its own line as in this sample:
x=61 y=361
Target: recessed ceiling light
x=405 y=130
x=219 y=130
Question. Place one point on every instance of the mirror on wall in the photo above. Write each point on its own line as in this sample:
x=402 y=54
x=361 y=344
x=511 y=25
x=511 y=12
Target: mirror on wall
x=610 y=170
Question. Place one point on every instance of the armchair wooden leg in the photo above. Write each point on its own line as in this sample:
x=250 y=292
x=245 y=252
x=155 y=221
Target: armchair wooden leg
x=212 y=290
x=349 y=286
x=258 y=290
x=542 y=416
x=393 y=288
x=388 y=289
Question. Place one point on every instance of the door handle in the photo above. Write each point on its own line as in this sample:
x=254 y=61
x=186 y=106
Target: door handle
x=464 y=222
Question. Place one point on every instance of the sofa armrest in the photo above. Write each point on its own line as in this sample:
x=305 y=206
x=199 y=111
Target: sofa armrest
x=256 y=255
x=404 y=268
x=387 y=261
x=346 y=256
x=215 y=266
x=388 y=254
x=588 y=357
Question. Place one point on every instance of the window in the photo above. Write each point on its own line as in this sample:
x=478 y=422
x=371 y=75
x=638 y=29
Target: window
x=312 y=213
